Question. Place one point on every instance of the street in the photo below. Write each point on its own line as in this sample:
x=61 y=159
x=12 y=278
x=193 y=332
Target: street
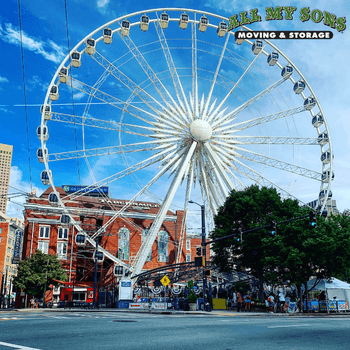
x=124 y=330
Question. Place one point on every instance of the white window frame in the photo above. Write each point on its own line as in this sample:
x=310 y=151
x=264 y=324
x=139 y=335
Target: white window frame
x=188 y=257
x=43 y=246
x=123 y=243
x=144 y=234
x=62 y=248
x=45 y=230
x=188 y=244
x=163 y=246
x=65 y=236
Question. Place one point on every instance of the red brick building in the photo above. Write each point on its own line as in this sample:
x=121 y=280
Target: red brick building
x=122 y=238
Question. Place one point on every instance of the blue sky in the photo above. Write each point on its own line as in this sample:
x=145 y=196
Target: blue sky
x=324 y=63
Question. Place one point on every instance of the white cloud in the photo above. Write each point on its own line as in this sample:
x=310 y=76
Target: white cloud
x=49 y=50
x=3 y=80
x=15 y=206
x=102 y=5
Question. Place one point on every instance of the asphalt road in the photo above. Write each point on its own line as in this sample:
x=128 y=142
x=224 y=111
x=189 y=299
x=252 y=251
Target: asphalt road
x=124 y=330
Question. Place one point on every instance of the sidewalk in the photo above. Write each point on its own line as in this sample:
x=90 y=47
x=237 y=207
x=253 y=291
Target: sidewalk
x=218 y=313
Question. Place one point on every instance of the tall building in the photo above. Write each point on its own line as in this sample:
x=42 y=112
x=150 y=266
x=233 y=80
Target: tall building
x=11 y=239
x=5 y=169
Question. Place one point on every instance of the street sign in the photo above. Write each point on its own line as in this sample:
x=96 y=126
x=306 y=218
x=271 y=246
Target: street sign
x=165 y=280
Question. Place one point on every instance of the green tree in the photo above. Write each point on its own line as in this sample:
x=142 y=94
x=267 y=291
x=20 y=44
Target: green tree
x=36 y=273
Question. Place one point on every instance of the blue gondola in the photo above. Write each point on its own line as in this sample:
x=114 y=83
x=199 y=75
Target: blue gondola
x=90 y=46
x=326 y=157
x=323 y=139
x=164 y=20
x=80 y=240
x=107 y=35
x=144 y=23
x=299 y=87
x=125 y=28
x=118 y=270
x=257 y=46
x=40 y=153
x=203 y=24
x=54 y=95
x=326 y=175
x=76 y=59
x=65 y=220
x=53 y=199
x=99 y=256
x=47 y=114
x=323 y=194
x=272 y=58
x=309 y=103
x=44 y=176
x=222 y=29
x=287 y=71
x=183 y=22
x=317 y=120
x=44 y=131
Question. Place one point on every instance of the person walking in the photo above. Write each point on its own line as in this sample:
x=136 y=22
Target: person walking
x=32 y=301
x=239 y=301
x=247 y=302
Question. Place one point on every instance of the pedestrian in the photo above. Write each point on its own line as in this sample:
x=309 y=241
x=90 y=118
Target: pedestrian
x=228 y=303
x=282 y=300
x=247 y=302
x=271 y=301
x=32 y=301
x=239 y=301
x=37 y=303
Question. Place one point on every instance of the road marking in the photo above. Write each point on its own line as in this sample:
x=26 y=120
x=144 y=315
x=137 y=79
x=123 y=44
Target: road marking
x=17 y=346
x=290 y=325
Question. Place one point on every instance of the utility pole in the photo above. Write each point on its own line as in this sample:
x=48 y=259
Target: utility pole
x=95 y=276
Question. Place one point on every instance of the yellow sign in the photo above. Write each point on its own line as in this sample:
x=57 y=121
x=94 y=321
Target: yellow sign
x=165 y=280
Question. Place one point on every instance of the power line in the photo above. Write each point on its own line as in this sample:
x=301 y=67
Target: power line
x=24 y=91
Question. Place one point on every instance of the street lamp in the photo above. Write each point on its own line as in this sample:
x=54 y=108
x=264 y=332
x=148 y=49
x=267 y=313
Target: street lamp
x=204 y=249
x=95 y=276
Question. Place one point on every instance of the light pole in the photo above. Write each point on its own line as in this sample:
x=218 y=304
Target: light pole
x=204 y=249
x=95 y=276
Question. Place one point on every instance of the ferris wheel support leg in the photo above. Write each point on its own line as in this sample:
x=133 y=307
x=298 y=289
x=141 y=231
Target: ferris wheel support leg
x=163 y=210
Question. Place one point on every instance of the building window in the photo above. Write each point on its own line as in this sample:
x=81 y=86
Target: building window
x=0 y=230
x=188 y=244
x=62 y=250
x=43 y=246
x=44 y=232
x=163 y=238
x=62 y=233
x=188 y=257
x=143 y=238
x=123 y=243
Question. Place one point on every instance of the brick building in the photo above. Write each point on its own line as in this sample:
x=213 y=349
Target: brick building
x=122 y=238
x=11 y=235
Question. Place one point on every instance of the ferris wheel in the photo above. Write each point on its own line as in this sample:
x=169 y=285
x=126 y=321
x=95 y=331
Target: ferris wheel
x=166 y=104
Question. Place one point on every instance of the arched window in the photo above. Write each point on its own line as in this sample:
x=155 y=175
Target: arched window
x=163 y=238
x=144 y=234
x=123 y=244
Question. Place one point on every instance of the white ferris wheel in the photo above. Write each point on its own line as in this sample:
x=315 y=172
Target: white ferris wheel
x=165 y=103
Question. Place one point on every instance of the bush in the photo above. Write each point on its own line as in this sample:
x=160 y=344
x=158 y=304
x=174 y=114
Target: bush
x=192 y=297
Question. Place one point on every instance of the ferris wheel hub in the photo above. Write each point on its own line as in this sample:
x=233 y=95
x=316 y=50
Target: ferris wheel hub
x=201 y=130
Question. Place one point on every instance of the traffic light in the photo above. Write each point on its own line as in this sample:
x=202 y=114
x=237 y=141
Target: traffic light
x=239 y=238
x=207 y=272
x=274 y=228
x=313 y=222
x=199 y=261
x=199 y=251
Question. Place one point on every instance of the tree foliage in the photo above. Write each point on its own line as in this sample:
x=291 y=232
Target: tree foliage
x=37 y=272
x=295 y=253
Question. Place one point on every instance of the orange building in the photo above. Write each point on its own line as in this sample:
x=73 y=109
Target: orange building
x=122 y=238
x=11 y=237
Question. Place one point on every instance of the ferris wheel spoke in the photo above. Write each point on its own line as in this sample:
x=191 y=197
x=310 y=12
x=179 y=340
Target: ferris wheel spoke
x=172 y=69
x=105 y=151
x=111 y=100
x=142 y=191
x=152 y=76
x=266 y=140
x=207 y=102
x=278 y=164
x=144 y=96
x=143 y=252
x=255 y=176
x=247 y=104
x=218 y=108
x=132 y=169
x=259 y=121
